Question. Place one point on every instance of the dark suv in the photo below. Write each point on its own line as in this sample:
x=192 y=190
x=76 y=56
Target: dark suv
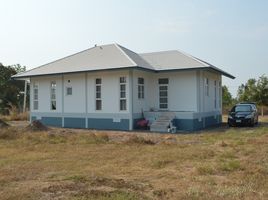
x=243 y=114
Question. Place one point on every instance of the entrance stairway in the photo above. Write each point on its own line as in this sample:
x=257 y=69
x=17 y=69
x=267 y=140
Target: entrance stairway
x=163 y=123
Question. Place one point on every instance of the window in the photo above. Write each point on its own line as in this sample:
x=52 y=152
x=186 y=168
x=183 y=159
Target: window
x=123 y=104
x=163 y=81
x=163 y=93
x=69 y=90
x=206 y=86
x=35 y=96
x=98 y=94
x=141 y=88
x=215 y=94
x=98 y=104
x=242 y=108
x=163 y=97
x=53 y=105
x=122 y=86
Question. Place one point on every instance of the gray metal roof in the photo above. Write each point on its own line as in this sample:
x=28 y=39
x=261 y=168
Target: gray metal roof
x=114 y=56
x=174 y=60
x=165 y=60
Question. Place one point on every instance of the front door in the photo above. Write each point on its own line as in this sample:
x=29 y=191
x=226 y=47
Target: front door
x=163 y=93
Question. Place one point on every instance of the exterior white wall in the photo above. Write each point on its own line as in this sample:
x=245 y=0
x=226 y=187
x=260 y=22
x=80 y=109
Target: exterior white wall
x=182 y=91
x=109 y=91
x=140 y=105
x=75 y=103
x=44 y=93
x=208 y=102
x=186 y=92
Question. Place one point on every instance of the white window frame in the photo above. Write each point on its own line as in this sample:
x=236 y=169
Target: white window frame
x=163 y=97
x=122 y=98
x=140 y=88
x=98 y=94
x=53 y=97
x=35 y=96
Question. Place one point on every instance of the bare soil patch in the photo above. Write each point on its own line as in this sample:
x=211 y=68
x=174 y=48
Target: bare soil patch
x=36 y=126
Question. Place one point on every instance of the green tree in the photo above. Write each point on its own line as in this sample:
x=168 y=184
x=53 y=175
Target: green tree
x=10 y=89
x=254 y=91
x=248 y=92
x=227 y=99
x=262 y=92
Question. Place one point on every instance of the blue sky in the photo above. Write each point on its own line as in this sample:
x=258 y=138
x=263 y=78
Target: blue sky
x=231 y=34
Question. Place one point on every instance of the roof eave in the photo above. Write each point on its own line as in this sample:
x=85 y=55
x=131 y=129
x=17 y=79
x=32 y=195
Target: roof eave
x=199 y=68
x=17 y=76
x=222 y=72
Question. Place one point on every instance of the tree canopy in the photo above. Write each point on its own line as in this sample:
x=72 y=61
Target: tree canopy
x=10 y=89
x=227 y=99
x=254 y=90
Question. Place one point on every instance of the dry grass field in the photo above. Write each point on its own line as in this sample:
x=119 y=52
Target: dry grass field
x=219 y=163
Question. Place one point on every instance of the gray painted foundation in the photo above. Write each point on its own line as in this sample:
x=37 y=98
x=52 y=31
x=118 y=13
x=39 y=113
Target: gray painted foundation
x=123 y=124
x=92 y=123
x=197 y=124
x=108 y=124
x=70 y=122
x=188 y=124
x=52 y=121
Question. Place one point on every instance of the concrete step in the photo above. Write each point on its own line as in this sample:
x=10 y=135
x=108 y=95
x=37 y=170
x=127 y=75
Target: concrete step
x=159 y=129
x=160 y=125
x=163 y=122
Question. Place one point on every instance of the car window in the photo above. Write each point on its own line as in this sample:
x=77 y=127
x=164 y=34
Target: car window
x=243 y=108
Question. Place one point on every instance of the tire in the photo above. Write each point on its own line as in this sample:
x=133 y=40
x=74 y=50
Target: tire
x=252 y=123
x=257 y=122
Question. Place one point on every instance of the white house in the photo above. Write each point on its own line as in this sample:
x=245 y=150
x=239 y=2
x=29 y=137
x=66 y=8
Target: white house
x=112 y=87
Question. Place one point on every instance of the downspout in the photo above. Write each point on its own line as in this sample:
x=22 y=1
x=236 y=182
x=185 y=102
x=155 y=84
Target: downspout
x=86 y=99
x=62 y=100
x=30 y=101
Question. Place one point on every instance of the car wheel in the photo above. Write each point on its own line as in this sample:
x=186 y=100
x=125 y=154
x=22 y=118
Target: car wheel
x=252 y=123
x=257 y=122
